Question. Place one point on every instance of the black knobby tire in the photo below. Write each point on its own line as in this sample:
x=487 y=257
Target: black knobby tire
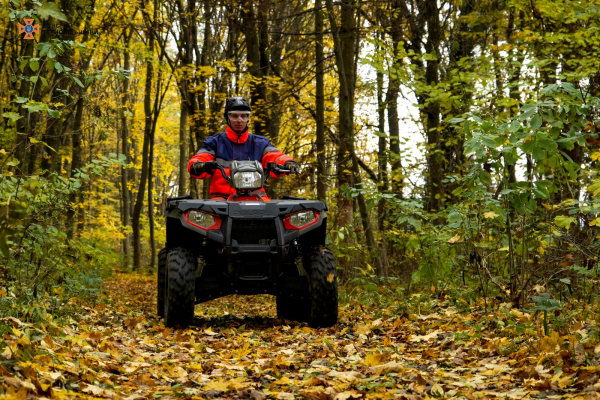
x=323 y=288
x=180 y=287
x=161 y=282
x=292 y=309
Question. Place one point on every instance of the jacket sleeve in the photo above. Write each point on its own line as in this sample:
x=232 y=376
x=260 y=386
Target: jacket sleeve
x=272 y=154
x=206 y=153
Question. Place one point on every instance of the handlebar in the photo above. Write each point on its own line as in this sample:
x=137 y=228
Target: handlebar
x=271 y=167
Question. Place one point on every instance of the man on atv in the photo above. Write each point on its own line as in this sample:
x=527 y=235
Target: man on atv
x=234 y=144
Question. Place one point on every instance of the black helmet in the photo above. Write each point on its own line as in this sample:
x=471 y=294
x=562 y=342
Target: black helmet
x=236 y=104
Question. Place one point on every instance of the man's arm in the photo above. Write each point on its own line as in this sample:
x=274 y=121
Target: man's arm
x=272 y=154
x=206 y=153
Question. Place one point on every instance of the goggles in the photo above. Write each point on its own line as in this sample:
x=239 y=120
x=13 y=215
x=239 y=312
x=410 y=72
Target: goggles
x=243 y=115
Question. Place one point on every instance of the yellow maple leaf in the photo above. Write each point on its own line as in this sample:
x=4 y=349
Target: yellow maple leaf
x=227 y=385
x=374 y=359
x=454 y=239
x=363 y=329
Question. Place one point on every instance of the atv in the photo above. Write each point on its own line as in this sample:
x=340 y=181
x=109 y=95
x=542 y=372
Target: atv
x=248 y=244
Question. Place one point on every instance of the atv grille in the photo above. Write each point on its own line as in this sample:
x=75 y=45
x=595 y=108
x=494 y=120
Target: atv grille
x=253 y=231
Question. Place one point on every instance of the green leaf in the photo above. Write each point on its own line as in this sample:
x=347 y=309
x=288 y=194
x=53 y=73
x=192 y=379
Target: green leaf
x=563 y=221
x=541 y=193
x=485 y=177
x=78 y=81
x=548 y=144
x=455 y=219
x=526 y=115
x=48 y=10
x=538 y=154
x=34 y=65
x=514 y=126
x=414 y=223
x=54 y=113
x=536 y=122
x=528 y=107
x=376 y=133
x=488 y=141
x=34 y=107
x=455 y=120
x=12 y=115
x=13 y=162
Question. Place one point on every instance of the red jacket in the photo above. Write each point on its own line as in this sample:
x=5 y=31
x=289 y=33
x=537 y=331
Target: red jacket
x=228 y=146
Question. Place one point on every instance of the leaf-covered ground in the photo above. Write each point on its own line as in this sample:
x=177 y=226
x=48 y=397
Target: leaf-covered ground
x=237 y=349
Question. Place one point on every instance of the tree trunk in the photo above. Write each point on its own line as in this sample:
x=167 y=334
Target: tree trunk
x=183 y=158
x=392 y=108
x=435 y=158
x=137 y=209
x=382 y=185
x=151 y=198
x=254 y=59
x=23 y=126
x=344 y=57
x=320 y=100
x=263 y=117
x=125 y=192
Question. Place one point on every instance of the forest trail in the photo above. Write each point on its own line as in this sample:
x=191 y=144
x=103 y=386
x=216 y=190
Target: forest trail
x=238 y=349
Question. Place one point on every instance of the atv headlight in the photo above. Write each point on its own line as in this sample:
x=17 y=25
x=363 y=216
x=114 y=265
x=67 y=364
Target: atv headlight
x=203 y=220
x=247 y=180
x=300 y=220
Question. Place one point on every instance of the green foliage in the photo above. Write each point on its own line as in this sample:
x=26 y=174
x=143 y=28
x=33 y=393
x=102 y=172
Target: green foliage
x=40 y=253
x=545 y=303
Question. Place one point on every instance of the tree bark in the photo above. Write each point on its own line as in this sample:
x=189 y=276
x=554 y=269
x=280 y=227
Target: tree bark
x=23 y=124
x=392 y=103
x=344 y=57
x=183 y=158
x=435 y=158
x=254 y=60
x=125 y=192
x=137 y=209
x=320 y=100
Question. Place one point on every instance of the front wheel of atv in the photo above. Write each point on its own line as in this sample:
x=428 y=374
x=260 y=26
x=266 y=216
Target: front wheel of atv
x=180 y=287
x=160 y=281
x=322 y=288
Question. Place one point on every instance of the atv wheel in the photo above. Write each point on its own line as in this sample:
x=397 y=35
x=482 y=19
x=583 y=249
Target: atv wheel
x=323 y=288
x=160 y=299
x=180 y=287
x=292 y=309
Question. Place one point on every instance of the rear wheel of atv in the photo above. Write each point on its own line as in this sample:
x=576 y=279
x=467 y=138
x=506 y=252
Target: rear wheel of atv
x=180 y=287
x=322 y=288
x=292 y=308
x=160 y=280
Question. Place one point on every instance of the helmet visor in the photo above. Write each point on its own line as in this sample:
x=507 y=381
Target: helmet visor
x=243 y=115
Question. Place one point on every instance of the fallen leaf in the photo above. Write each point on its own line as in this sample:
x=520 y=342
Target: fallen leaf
x=350 y=376
x=350 y=394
